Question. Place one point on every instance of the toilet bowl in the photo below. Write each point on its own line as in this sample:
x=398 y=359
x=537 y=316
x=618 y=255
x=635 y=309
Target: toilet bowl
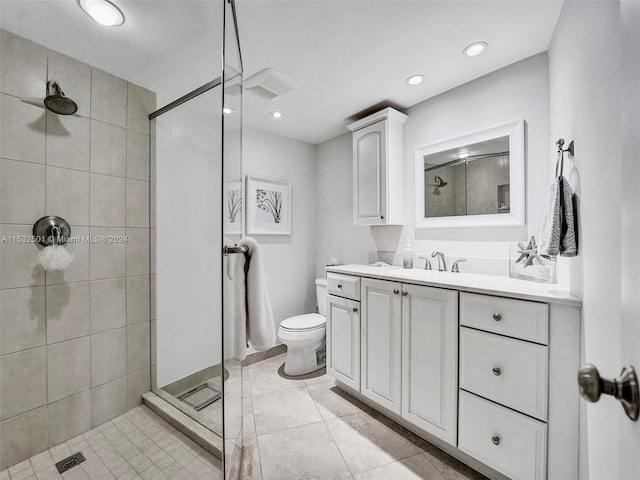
x=304 y=336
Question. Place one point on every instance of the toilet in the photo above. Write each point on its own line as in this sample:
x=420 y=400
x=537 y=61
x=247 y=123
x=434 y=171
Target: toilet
x=304 y=336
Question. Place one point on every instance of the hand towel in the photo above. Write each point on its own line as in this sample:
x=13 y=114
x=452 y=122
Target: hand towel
x=558 y=235
x=261 y=331
x=235 y=311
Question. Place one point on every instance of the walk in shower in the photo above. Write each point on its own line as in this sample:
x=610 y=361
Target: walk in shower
x=196 y=144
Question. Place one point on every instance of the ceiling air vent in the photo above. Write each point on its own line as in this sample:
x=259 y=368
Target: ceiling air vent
x=269 y=84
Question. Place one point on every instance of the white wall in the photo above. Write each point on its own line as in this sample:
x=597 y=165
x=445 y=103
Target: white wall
x=288 y=260
x=519 y=90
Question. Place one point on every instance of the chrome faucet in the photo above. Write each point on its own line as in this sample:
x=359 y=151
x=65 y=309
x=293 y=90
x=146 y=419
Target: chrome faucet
x=455 y=268
x=427 y=263
x=442 y=265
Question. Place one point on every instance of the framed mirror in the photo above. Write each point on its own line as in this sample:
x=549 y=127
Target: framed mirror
x=473 y=180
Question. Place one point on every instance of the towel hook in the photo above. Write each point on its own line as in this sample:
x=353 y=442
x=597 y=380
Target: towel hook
x=570 y=149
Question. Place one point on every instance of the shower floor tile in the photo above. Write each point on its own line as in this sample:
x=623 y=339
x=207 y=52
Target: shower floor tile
x=134 y=446
x=307 y=428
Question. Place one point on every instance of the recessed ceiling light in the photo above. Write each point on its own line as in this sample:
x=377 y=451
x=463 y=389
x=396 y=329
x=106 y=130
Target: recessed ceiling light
x=463 y=155
x=102 y=11
x=276 y=114
x=475 y=49
x=416 y=79
x=228 y=110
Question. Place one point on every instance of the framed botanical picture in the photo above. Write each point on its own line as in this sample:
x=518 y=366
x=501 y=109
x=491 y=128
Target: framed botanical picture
x=268 y=206
x=233 y=202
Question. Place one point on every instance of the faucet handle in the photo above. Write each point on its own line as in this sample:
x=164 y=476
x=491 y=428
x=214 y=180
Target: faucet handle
x=455 y=268
x=427 y=263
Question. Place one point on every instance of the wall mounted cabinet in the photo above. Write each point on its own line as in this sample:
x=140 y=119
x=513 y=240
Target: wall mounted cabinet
x=378 y=168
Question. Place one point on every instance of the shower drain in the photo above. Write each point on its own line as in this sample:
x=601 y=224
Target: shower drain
x=70 y=462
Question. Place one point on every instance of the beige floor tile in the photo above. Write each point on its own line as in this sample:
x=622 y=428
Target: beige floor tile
x=417 y=467
x=367 y=443
x=333 y=402
x=450 y=468
x=278 y=411
x=315 y=455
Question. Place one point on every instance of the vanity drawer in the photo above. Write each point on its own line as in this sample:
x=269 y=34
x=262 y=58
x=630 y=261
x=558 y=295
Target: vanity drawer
x=343 y=286
x=507 y=441
x=510 y=372
x=514 y=318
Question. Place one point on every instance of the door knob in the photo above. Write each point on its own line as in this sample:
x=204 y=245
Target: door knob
x=624 y=388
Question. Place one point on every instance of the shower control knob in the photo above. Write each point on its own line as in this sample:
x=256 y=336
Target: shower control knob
x=497 y=317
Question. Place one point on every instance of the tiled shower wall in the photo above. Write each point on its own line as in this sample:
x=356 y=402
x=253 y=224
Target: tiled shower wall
x=74 y=345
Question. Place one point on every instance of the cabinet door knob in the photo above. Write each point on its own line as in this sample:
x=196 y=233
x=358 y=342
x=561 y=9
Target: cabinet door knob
x=496 y=371
x=495 y=440
x=355 y=310
x=497 y=317
x=339 y=285
x=381 y=217
x=396 y=291
x=404 y=293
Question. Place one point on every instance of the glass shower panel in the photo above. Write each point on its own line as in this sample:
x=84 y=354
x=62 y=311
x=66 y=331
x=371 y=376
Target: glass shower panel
x=188 y=369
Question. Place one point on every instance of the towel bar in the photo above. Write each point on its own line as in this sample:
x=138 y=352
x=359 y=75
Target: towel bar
x=235 y=249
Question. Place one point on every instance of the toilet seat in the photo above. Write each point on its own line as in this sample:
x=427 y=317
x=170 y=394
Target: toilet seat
x=304 y=323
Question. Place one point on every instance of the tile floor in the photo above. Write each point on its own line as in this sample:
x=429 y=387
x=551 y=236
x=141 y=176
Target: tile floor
x=309 y=429
x=134 y=446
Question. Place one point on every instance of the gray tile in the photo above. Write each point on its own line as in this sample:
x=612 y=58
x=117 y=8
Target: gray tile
x=23 y=319
x=152 y=291
x=23 y=436
x=108 y=356
x=416 y=467
x=68 y=195
x=69 y=417
x=78 y=271
x=366 y=443
x=68 y=141
x=138 y=251
x=41 y=461
x=68 y=368
x=138 y=347
x=108 y=98
x=107 y=201
x=450 y=468
x=19 y=265
x=284 y=409
x=21 y=471
x=107 y=253
x=137 y=203
x=108 y=305
x=315 y=455
x=24 y=66
x=333 y=402
x=23 y=382
x=21 y=192
x=137 y=299
x=153 y=330
x=108 y=401
x=137 y=156
x=108 y=149
x=22 y=136
x=153 y=250
x=138 y=384
x=67 y=311
x=140 y=103
x=74 y=78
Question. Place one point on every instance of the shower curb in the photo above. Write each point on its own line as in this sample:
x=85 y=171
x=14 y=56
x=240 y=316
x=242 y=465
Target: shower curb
x=208 y=440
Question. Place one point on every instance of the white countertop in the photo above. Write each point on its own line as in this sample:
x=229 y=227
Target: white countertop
x=468 y=282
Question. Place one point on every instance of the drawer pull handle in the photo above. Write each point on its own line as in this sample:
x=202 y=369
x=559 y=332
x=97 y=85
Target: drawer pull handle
x=339 y=285
x=396 y=291
x=496 y=371
x=404 y=293
x=495 y=440
x=497 y=317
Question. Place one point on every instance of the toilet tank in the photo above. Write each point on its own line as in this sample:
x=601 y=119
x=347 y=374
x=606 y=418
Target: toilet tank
x=321 y=295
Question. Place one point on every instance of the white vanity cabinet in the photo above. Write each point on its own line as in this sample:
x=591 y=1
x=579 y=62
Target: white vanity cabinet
x=409 y=353
x=482 y=366
x=377 y=168
x=343 y=329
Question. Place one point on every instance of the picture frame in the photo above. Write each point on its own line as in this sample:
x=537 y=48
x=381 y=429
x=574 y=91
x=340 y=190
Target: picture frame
x=268 y=206
x=233 y=207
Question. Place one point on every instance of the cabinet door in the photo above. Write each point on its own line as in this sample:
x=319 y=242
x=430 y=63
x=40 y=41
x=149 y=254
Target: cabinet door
x=381 y=342
x=369 y=175
x=343 y=341
x=430 y=359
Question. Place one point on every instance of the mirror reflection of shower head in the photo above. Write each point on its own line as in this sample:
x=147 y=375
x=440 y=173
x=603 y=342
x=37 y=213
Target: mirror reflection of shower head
x=439 y=182
x=57 y=102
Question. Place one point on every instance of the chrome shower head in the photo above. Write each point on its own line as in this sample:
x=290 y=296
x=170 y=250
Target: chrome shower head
x=57 y=102
x=439 y=181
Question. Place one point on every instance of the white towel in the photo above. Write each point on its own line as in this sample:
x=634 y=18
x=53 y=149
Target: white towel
x=235 y=302
x=558 y=235
x=261 y=330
